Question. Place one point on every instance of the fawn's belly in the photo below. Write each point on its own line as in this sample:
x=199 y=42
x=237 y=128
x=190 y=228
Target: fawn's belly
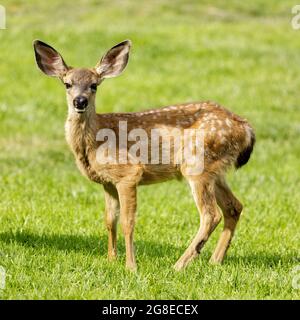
x=159 y=173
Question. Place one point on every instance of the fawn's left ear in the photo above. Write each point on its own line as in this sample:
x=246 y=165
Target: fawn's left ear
x=49 y=60
x=114 y=61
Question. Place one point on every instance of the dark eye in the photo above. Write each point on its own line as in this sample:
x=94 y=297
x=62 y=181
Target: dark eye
x=94 y=87
x=68 y=85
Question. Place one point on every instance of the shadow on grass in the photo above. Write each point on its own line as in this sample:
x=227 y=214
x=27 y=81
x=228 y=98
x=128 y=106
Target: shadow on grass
x=89 y=244
x=97 y=245
x=263 y=259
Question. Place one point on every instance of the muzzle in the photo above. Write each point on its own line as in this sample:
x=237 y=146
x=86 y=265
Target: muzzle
x=80 y=103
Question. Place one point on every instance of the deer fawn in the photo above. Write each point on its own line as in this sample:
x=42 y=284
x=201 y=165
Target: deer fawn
x=228 y=141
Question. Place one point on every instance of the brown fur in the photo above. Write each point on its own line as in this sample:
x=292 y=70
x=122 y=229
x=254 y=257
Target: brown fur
x=227 y=136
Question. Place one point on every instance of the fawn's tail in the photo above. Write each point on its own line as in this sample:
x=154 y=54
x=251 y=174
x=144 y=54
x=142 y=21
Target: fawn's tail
x=245 y=154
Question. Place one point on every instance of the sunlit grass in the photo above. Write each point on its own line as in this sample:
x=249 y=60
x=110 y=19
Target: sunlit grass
x=52 y=235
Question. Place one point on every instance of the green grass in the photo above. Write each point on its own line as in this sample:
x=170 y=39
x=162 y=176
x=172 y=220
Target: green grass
x=53 y=240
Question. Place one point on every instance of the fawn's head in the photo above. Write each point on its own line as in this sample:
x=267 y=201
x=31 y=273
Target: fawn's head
x=81 y=83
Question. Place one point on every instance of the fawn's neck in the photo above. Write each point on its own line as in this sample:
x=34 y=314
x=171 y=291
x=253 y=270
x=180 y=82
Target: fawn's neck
x=80 y=130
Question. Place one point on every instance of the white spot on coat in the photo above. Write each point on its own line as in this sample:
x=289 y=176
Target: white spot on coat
x=228 y=122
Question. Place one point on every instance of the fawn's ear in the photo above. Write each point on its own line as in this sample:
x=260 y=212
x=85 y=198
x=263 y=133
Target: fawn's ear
x=114 y=61
x=49 y=60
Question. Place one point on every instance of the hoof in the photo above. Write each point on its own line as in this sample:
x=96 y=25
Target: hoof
x=131 y=267
x=112 y=257
x=215 y=261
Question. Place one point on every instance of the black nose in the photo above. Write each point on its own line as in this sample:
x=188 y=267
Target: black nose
x=80 y=102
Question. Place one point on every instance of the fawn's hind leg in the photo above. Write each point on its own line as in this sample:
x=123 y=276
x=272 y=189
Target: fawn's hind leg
x=112 y=209
x=231 y=208
x=204 y=195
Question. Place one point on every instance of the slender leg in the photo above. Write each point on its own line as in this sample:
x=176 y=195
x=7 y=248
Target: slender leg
x=112 y=209
x=127 y=196
x=204 y=195
x=232 y=209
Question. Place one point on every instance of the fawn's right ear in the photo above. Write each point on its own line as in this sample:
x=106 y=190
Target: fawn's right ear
x=49 y=60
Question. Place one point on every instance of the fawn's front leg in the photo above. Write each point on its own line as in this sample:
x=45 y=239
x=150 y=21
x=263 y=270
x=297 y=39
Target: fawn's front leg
x=127 y=196
x=112 y=210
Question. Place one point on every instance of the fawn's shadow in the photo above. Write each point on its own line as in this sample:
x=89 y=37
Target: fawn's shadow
x=89 y=244
x=263 y=259
x=97 y=245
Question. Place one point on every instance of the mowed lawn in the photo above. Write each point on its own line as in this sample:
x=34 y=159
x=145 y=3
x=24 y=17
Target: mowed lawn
x=53 y=240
